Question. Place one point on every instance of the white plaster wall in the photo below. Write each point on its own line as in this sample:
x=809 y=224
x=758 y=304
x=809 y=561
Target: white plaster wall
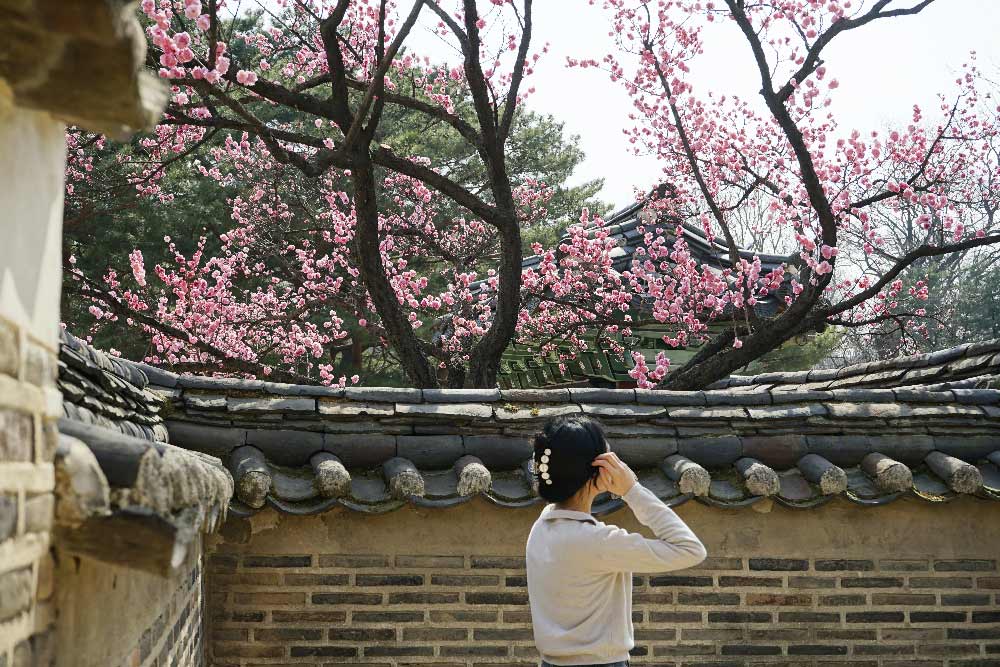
x=32 y=164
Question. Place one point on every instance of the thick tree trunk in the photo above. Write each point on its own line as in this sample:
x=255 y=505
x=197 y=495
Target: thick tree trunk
x=721 y=359
x=398 y=330
x=485 y=359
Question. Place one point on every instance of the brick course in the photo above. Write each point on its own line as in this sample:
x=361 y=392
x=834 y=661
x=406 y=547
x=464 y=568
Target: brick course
x=471 y=611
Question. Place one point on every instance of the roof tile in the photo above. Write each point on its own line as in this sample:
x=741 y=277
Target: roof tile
x=726 y=447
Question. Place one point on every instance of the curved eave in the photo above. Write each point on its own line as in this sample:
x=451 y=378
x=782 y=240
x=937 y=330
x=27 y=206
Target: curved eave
x=927 y=488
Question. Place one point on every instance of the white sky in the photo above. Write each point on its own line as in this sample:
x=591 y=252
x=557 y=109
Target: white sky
x=883 y=70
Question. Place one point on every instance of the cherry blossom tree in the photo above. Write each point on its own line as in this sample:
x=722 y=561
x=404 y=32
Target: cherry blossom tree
x=334 y=68
x=334 y=232
x=829 y=187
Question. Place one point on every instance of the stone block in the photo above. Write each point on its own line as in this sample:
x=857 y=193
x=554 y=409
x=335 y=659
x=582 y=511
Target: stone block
x=352 y=561
x=861 y=395
x=707 y=414
x=601 y=395
x=205 y=401
x=10 y=354
x=510 y=412
x=461 y=395
x=798 y=395
x=919 y=394
x=17 y=433
x=678 y=398
x=46 y=577
x=218 y=385
x=353 y=408
x=38 y=513
x=449 y=411
x=383 y=394
x=622 y=411
x=789 y=411
x=39 y=365
x=16 y=592
x=946 y=411
x=779 y=564
x=535 y=395
x=271 y=404
x=731 y=397
x=8 y=516
x=45 y=448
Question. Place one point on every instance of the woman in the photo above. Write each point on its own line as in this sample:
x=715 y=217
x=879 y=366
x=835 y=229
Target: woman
x=580 y=569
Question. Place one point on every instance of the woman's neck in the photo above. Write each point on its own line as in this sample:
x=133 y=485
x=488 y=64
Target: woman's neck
x=576 y=504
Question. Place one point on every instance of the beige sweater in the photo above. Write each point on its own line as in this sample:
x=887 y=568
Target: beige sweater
x=580 y=576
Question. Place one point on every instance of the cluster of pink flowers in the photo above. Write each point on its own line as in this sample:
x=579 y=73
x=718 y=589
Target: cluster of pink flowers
x=719 y=154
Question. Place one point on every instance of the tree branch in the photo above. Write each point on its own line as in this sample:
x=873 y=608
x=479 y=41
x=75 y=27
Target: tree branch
x=907 y=259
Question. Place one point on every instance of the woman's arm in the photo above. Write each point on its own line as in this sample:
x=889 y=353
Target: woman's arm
x=676 y=546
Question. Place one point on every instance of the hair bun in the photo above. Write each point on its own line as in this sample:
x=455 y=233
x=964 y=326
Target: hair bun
x=540 y=442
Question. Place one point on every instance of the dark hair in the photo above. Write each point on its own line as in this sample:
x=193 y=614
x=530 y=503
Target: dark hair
x=574 y=442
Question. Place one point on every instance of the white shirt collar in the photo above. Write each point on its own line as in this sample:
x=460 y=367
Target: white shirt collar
x=550 y=511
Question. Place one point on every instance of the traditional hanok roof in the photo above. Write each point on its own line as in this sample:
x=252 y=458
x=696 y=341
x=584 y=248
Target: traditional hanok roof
x=628 y=227
x=304 y=450
x=125 y=494
x=969 y=365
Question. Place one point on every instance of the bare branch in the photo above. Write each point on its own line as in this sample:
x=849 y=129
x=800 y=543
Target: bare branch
x=908 y=259
x=515 y=83
x=377 y=85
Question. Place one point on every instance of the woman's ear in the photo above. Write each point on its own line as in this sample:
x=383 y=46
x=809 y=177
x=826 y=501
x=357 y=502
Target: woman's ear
x=596 y=483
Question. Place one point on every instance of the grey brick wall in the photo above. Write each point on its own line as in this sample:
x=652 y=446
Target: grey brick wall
x=176 y=637
x=471 y=611
x=28 y=435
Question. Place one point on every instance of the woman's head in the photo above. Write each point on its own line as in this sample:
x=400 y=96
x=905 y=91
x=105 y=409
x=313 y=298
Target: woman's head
x=572 y=442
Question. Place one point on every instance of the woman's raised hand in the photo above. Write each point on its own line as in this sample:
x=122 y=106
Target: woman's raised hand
x=614 y=476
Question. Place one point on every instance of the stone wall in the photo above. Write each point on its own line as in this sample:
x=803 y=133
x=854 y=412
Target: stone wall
x=104 y=91
x=29 y=401
x=906 y=584
x=112 y=616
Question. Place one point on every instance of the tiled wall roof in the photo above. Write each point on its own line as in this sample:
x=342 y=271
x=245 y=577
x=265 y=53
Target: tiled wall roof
x=108 y=392
x=628 y=227
x=969 y=365
x=108 y=406
x=306 y=449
